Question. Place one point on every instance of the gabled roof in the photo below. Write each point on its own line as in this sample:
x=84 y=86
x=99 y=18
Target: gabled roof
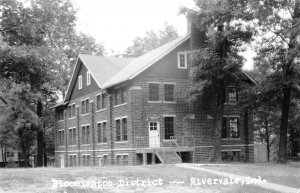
x=138 y=65
x=103 y=68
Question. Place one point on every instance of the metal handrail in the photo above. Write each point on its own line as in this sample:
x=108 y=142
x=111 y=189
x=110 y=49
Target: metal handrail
x=163 y=151
x=173 y=138
x=181 y=141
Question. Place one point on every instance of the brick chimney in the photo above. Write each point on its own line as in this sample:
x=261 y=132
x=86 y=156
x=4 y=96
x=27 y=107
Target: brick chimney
x=198 y=34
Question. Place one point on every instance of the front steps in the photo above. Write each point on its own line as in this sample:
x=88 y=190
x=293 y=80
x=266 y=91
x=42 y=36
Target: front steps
x=168 y=156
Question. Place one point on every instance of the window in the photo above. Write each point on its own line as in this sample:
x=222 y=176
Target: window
x=232 y=94
x=153 y=92
x=71 y=110
x=10 y=154
x=85 y=160
x=72 y=160
x=85 y=106
x=61 y=137
x=118 y=130
x=121 y=130
x=120 y=97
x=125 y=160
x=60 y=115
x=224 y=128
x=182 y=60
x=72 y=136
x=233 y=127
x=100 y=101
x=124 y=129
x=169 y=92
x=123 y=96
x=169 y=127
x=118 y=159
x=233 y=155
x=79 y=82
x=88 y=78
x=105 y=159
x=85 y=134
x=99 y=133
x=102 y=134
x=153 y=126
x=103 y=101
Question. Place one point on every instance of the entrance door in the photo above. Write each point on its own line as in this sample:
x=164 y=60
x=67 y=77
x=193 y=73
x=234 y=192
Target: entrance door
x=62 y=161
x=154 y=137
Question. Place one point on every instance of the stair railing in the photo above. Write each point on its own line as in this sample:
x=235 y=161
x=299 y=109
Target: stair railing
x=164 y=154
x=173 y=138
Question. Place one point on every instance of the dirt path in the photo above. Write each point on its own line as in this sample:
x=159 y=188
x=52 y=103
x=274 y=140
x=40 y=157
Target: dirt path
x=266 y=185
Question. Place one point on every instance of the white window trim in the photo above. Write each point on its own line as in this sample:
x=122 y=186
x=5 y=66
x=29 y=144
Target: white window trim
x=122 y=141
x=119 y=118
x=100 y=110
x=79 y=82
x=88 y=78
x=85 y=99
x=120 y=104
x=160 y=101
x=169 y=115
x=174 y=83
x=178 y=60
x=122 y=154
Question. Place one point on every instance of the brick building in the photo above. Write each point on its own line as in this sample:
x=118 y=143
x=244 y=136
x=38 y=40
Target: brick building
x=134 y=111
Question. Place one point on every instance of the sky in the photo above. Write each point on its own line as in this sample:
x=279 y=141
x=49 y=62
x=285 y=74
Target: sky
x=115 y=23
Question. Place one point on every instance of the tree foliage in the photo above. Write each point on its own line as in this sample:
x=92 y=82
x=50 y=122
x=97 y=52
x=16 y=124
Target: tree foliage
x=150 y=41
x=38 y=47
x=278 y=50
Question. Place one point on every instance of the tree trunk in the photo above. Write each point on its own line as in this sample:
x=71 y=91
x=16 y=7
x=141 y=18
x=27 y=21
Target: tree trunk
x=5 y=154
x=285 y=107
x=267 y=137
x=40 y=137
x=218 y=129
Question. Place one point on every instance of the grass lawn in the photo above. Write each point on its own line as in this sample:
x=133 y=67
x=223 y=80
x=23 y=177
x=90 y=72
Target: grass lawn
x=284 y=174
x=38 y=180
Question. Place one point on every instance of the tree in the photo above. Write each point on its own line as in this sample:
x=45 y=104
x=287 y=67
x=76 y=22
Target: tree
x=217 y=64
x=40 y=45
x=152 y=40
x=266 y=111
x=279 y=23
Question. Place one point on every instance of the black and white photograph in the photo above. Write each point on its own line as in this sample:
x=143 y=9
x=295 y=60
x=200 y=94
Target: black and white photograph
x=150 y=96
